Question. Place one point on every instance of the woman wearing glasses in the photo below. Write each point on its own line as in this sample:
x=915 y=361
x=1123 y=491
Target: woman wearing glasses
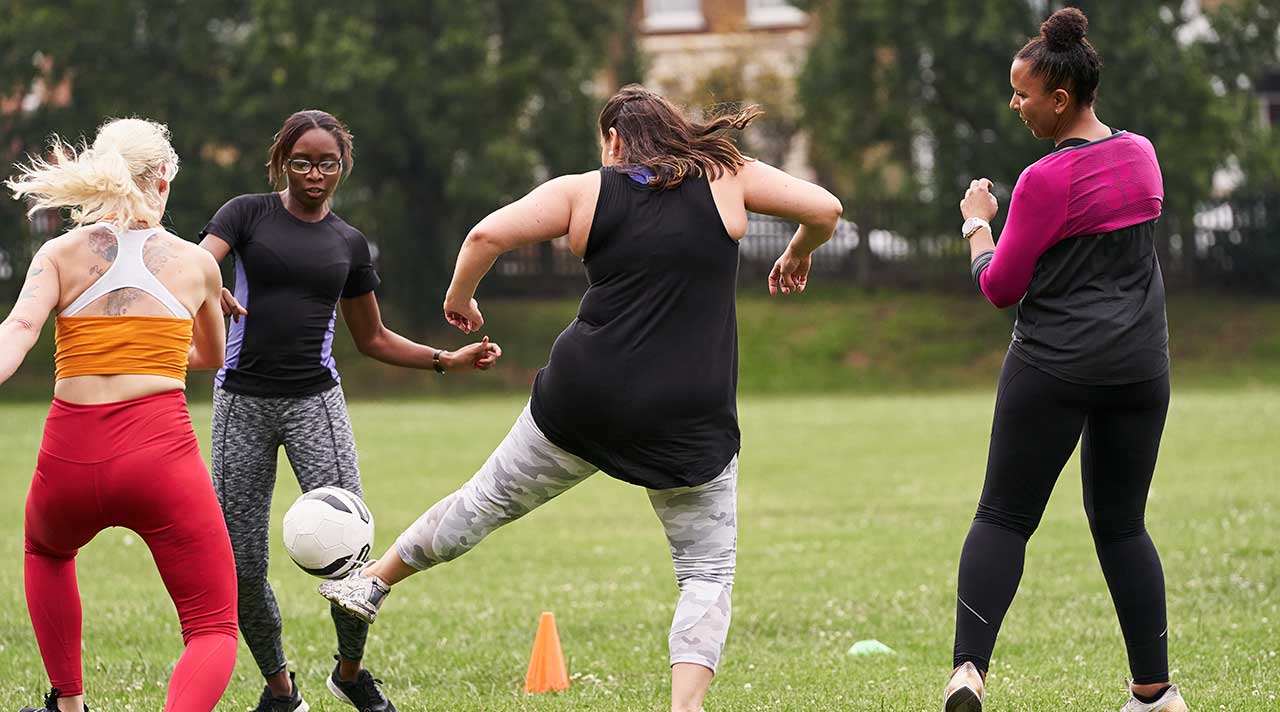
x=296 y=263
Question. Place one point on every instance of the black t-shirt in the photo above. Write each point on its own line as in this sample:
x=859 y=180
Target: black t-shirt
x=642 y=384
x=289 y=276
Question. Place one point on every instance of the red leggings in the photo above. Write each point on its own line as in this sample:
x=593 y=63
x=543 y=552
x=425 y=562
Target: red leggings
x=133 y=464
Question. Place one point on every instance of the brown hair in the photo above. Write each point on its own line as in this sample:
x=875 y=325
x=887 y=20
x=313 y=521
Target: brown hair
x=657 y=136
x=1063 y=57
x=298 y=124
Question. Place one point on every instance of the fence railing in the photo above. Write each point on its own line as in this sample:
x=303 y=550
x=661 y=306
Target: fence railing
x=1232 y=244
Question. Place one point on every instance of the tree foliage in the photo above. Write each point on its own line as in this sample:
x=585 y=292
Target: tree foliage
x=908 y=99
x=457 y=107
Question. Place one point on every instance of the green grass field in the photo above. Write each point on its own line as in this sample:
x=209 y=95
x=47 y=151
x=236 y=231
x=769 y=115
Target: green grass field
x=852 y=512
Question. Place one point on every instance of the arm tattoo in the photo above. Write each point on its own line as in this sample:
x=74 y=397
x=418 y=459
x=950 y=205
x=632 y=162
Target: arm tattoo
x=29 y=289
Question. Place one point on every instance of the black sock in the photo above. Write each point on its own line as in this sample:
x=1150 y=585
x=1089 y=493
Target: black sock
x=1148 y=699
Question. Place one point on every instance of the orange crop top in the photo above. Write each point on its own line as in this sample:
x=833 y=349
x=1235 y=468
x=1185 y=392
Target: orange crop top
x=119 y=345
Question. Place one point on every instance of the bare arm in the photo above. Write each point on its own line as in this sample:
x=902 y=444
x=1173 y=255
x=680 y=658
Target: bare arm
x=39 y=296
x=216 y=246
x=767 y=190
x=209 y=335
x=375 y=340
x=544 y=214
x=220 y=248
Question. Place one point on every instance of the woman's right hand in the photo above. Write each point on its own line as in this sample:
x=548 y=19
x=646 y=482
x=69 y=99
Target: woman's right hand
x=466 y=316
x=231 y=307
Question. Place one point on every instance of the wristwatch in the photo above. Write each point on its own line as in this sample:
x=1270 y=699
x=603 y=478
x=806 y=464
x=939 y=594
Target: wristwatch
x=435 y=361
x=972 y=225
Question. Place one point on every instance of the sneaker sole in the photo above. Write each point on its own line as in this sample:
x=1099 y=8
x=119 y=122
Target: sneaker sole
x=337 y=691
x=963 y=700
x=357 y=612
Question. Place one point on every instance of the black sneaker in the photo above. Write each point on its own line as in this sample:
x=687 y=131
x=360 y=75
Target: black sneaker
x=364 y=693
x=50 y=703
x=292 y=703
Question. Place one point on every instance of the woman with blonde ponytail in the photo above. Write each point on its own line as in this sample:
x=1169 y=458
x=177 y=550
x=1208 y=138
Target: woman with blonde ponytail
x=642 y=385
x=136 y=307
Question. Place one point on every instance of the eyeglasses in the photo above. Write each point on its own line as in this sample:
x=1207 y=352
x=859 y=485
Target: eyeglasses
x=303 y=166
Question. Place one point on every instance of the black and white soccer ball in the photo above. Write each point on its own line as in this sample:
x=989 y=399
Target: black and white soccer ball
x=328 y=532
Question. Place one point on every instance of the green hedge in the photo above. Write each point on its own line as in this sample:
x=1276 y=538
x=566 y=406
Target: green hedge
x=824 y=341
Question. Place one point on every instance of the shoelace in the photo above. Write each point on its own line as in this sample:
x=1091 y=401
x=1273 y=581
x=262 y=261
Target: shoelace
x=51 y=699
x=370 y=686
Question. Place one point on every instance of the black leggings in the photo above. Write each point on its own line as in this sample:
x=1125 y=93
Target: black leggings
x=1038 y=419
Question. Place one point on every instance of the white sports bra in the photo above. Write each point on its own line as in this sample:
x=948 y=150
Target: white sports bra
x=128 y=270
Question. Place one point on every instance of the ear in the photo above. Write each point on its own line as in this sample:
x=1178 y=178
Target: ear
x=615 y=143
x=162 y=186
x=1061 y=99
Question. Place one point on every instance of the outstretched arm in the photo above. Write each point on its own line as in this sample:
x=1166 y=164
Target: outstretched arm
x=39 y=296
x=542 y=215
x=375 y=340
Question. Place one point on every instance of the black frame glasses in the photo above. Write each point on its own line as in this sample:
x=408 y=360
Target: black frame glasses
x=302 y=166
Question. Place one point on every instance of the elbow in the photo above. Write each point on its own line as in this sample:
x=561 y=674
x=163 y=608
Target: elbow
x=828 y=216
x=371 y=345
x=1001 y=299
x=200 y=363
x=482 y=239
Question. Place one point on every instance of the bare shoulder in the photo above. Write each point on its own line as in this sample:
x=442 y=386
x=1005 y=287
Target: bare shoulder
x=574 y=185
x=96 y=238
x=188 y=252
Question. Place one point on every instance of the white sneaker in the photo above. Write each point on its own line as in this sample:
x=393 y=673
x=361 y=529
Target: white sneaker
x=964 y=691
x=357 y=594
x=1170 y=701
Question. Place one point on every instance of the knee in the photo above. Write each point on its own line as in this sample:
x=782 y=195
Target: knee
x=1107 y=527
x=1024 y=525
x=718 y=571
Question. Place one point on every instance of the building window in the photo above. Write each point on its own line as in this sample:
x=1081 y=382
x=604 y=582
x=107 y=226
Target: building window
x=774 y=13
x=673 y=15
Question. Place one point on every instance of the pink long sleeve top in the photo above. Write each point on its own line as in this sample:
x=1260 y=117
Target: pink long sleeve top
x=1077 y=254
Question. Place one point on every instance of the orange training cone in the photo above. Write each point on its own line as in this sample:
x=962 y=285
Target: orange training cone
x=546 y=665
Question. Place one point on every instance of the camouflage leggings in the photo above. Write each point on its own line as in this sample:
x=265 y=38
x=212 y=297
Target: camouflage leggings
x=527 y=471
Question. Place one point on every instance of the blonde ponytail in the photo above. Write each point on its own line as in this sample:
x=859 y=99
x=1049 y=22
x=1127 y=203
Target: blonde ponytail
x=115 y=180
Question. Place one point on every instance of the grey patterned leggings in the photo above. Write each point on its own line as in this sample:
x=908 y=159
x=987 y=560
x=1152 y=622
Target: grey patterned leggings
x=527 y=471
x=247 y=434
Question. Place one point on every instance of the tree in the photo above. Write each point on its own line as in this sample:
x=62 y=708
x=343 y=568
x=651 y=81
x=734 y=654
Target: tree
x=908 y=99
x=456 y=107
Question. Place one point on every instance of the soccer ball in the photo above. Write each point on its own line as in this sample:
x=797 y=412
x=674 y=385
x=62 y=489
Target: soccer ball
x=328 y=532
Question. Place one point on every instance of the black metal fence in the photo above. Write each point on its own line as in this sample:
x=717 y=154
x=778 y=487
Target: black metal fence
x=1233 y=244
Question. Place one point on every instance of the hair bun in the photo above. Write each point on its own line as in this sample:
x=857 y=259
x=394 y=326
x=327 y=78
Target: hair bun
x=1064 y=29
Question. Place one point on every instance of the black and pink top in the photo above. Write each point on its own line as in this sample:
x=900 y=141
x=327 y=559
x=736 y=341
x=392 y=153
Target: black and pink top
x=1077 y=254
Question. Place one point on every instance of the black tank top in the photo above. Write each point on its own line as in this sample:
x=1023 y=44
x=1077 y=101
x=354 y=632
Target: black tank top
x=643 y=383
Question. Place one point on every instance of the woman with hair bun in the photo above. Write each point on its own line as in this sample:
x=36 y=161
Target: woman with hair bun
x=136 y=307
x=1089 y=361
x=642 y=384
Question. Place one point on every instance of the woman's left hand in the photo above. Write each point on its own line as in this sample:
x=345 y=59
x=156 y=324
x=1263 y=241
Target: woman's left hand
x=790 y=274
x=979 y=202
x=480 y=355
